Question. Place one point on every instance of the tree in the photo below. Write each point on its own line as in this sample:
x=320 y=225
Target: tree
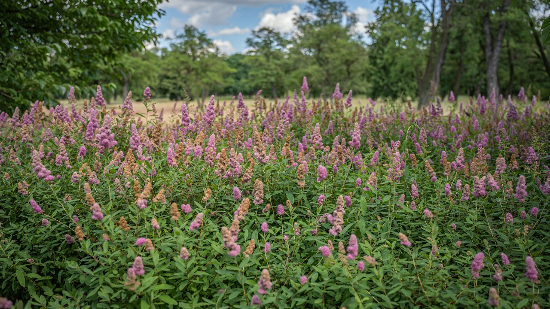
x=398 y=49
x=192 y=62
x=267 y=60
x=324 y=32
x=49 y=45
x=493 y=44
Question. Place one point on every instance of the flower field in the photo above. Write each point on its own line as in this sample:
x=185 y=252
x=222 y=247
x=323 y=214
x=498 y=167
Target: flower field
x=295 y=203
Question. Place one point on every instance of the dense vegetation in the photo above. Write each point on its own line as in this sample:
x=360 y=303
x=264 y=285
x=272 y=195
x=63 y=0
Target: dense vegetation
x=408 y=49
x=294 y=203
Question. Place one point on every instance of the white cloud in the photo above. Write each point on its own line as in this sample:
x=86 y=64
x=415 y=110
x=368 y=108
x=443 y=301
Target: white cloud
x=230 y=31
x=364 y=16
x=168 y=34
x=215 y=12
x=281 y=22
x=225 y=46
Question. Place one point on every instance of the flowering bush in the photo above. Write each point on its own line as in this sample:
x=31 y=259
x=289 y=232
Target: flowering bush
x=388 y=207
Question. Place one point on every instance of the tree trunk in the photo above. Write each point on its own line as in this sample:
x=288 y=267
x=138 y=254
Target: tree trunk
x=493 y=47
x=274 y=91
x=444 y=41
x=460 y=67
x=126 y=88
x=540 y=47
x=510 y=69
x=203 y=97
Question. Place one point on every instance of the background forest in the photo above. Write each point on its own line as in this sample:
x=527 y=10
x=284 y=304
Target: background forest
x=412 y=49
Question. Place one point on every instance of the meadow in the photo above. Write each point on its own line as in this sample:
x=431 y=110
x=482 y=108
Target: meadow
x=299 y=203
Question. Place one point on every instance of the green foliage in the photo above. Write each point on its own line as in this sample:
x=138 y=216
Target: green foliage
x=40 y=268
x=46 y=45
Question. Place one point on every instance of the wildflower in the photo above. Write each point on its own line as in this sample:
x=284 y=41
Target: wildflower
x=141 y=203
x=154 y=224
x=414 y=191
x=131 y=282
x=243 y=209
x=322 y=173
x=280 y=209
x=361 y=266
x=477 y=265
x=267 y=247
x=186 y=208
x=45 y=222
x=465 y=193
x=453 y=226
x=147 y=93
x=207 y=195
x=250 y=248
x=229 y=242
x=69 y=239
x=531 y=270
x=404 y=240
x=505 y=260
x=321 y=199
x=255 y=300
x=413 y=205
x=264 y=227
x=428 y=213
x=498 y=273
x=447 y=189
x=264 y=282
x=337 y=94
x=479 y=186
x=174 y=212
x=509 y=218
x=140 y=241
x=106 y=237
x=266 y=208
x=303 y=280
x=458 y=244
x=305 y=87
x=372 y=181
x=347 y=198
x=197 y=222
x=258 y=192
x=96 y=212
x=338 y=217
x=500 y=165
x=370 y=260
x=374 y=159
x=353 y=247
x=434 y=250
x=493 y=297
x=35 y=207
x=534 y=211
x=358 y=182
x=325 y=251
x=149 y=245
x=296 y=229
x=5 y=303
x=138 y=266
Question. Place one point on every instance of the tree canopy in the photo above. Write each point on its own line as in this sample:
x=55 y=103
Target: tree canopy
x=48 y=45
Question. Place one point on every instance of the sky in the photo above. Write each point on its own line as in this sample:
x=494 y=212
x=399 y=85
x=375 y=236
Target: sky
x=230 y=22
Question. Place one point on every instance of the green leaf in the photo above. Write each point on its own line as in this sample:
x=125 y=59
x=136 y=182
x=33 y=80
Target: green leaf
x=167 y=299
x=20 y=276
x=163 y=287
x=144 y=304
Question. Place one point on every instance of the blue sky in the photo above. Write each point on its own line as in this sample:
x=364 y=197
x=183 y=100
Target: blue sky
x=230 y=22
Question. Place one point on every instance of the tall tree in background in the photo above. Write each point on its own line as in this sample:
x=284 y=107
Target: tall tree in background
x=47 y=46
x=267 y=59
x=321 y=31
x=493 y=42
x=439 y=20
x=192 y=62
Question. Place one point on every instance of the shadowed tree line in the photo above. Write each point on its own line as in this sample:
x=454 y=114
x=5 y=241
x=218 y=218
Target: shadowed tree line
x=418 y=49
